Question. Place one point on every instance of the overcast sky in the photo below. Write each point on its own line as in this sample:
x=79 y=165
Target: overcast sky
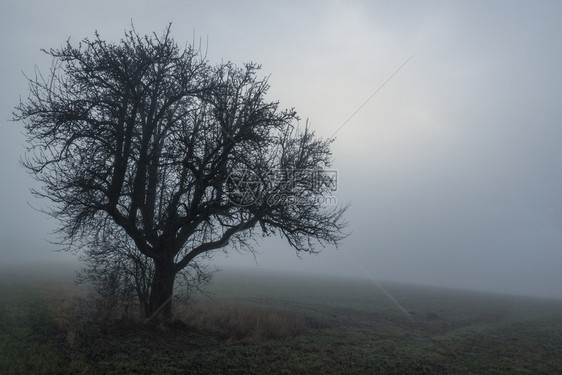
x=453 y=170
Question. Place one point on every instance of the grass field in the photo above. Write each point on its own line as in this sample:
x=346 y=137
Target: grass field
x=258 y=322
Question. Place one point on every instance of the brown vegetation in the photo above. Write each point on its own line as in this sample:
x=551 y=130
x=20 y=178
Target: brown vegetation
x=237 y=321
x=71 y=308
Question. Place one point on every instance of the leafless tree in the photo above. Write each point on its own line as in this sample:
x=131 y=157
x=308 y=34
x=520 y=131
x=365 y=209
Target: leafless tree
x=149 y=141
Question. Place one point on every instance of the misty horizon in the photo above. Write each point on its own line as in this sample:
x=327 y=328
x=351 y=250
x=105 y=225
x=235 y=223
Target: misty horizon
x=453 y=169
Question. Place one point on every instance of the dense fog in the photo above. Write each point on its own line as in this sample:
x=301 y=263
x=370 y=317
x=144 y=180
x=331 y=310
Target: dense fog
x=451 y=162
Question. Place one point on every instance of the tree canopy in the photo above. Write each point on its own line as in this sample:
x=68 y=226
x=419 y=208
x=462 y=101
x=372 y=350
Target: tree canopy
x=147 y=141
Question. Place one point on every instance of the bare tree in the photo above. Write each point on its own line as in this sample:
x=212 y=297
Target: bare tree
x=147 y=140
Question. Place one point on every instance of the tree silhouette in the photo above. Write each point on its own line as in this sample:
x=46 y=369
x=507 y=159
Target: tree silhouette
x=146 y=140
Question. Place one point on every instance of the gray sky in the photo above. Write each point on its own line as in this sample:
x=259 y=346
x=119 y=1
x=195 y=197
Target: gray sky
x=453 y=170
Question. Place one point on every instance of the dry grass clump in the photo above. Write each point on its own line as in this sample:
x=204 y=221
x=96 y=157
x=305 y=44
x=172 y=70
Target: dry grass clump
x=69 y=309
x=239 y=322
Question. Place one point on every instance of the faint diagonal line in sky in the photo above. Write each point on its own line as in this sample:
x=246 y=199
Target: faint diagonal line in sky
x=373 y=95
x=379 y=285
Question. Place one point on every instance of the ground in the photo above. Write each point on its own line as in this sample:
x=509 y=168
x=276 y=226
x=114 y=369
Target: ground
x=263 y=322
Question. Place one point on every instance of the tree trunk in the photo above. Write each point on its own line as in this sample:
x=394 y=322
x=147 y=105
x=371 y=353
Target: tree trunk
x=161 y=291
